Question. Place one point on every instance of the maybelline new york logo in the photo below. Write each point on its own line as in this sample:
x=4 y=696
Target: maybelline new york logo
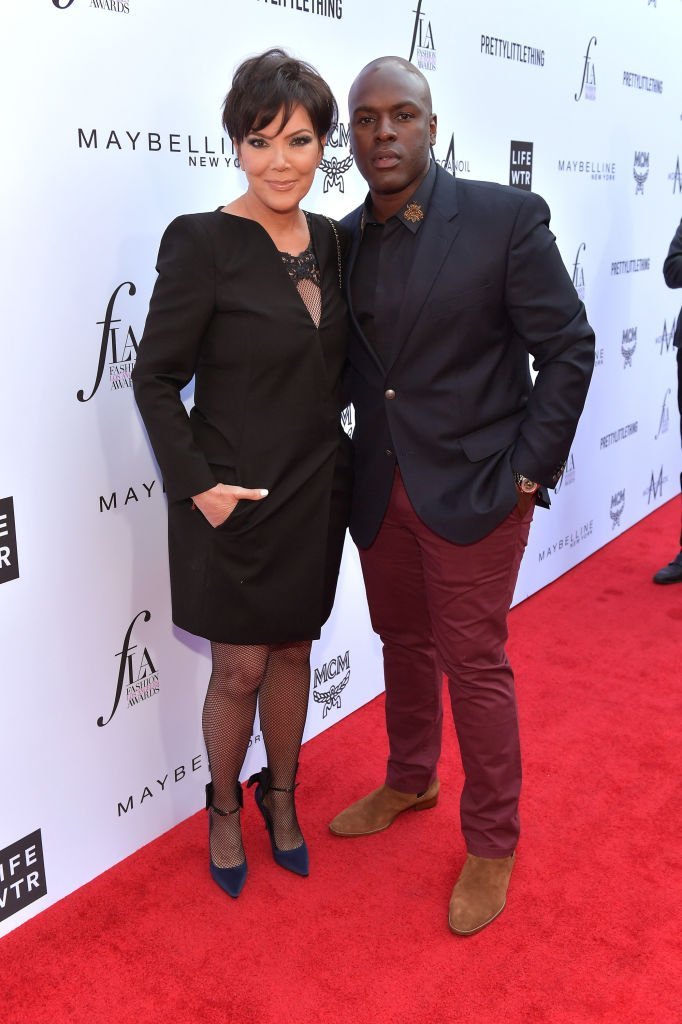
x=567 y=541
x=136 y=672
x=333 y=167
x=640 y=171
x=117 y=342
x=664 y=419
x=588 y=84
x=22 y=874
x=617 y=508
x=521 y=165
x=135 y=493
x=665 y=339
x=628 y=345
x=423 y=47
x=595 y=170
x=450 y=163
x=676 y=177
x=9 y=558
x=579 y=273
x=160 y=786
x=327 y=676
x=655 y=489
x=200 y=151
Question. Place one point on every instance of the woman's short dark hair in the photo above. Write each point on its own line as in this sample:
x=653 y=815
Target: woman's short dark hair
x=262 y=86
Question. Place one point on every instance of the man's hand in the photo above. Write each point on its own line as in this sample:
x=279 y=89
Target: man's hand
x=218 y=503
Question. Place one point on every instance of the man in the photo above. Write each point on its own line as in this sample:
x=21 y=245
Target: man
x=451 y=285
x=672 y=272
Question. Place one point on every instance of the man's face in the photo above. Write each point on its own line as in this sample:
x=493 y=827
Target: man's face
x=391 y=128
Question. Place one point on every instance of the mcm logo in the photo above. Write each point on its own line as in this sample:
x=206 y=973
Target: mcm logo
x=588 y=85
x=617 y=508
x=135 y=670
x=331 y=697
x=334 y=171
x=664 y=421
x=628 y=345
x=665 y=339
x=655 y=488
x=423 y=48
x=640 y=171
x=579 y=273
x=123 y=350
x=676 y=177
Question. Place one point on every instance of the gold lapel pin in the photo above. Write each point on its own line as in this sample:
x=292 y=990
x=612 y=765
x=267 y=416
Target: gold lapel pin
x=414 y=213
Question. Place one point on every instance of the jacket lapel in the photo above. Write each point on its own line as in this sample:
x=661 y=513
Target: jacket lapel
x=353 y=222
x=434 y=240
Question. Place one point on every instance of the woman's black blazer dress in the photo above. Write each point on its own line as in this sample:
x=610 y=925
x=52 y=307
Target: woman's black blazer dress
x=267 y=403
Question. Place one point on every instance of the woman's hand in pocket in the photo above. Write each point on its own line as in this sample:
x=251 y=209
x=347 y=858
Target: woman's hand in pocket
x=219 y=502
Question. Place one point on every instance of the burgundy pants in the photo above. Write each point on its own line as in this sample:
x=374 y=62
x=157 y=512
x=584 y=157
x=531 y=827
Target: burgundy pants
x=441 y=608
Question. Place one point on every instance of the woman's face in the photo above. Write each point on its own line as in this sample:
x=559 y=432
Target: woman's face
x=280 y=164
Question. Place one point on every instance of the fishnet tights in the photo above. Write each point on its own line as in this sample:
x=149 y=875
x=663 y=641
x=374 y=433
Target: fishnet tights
x=277 y=678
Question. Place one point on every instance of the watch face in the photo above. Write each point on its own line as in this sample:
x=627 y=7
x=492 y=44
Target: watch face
x=528 y=487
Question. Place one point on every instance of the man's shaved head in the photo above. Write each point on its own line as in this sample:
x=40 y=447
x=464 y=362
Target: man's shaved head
x=396 y=64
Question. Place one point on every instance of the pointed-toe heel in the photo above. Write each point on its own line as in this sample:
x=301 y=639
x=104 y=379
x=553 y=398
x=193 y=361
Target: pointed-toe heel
x=296 y=860
x=230 y=880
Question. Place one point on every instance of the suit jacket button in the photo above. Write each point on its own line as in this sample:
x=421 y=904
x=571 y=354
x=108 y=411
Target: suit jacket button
x=389 y=394
x=389 y=452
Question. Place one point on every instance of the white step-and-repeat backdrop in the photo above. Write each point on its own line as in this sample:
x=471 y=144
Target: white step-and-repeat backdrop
x=111 y=129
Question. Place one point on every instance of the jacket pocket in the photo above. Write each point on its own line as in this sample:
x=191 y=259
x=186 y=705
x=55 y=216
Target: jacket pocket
x=494 y=437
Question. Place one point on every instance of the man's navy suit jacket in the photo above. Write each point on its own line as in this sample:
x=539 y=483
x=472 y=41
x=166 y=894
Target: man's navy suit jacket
x=487 y=287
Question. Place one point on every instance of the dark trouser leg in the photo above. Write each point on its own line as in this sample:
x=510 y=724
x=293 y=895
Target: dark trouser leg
x=227 y=720
x=470 y=588
x=398 y=607
x=283 y=706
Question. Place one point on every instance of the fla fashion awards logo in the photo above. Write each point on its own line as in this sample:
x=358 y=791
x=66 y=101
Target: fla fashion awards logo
x=588 y=83
x=327 y=676
x=9 y=557
x=578 y=275
x=664 y=419
x=676 y=178
x=118 y=345
x=568 y=476
x=640 y=171
x=423 y=47
x=136 y=672
x=115 y=6
x=22 y=874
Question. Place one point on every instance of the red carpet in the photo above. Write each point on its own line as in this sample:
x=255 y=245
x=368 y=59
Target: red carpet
x=592 y=928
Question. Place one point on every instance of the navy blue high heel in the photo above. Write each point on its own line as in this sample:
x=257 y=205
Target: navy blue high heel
x=293 y=860
x=230 y=879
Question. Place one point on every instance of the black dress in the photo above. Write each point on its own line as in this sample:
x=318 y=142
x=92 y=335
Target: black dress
x=267 y=403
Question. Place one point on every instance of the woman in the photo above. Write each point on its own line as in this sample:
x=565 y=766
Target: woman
x=248 y=303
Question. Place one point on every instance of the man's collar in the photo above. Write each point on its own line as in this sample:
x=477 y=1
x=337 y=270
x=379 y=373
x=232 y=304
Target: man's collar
x=412 y=213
